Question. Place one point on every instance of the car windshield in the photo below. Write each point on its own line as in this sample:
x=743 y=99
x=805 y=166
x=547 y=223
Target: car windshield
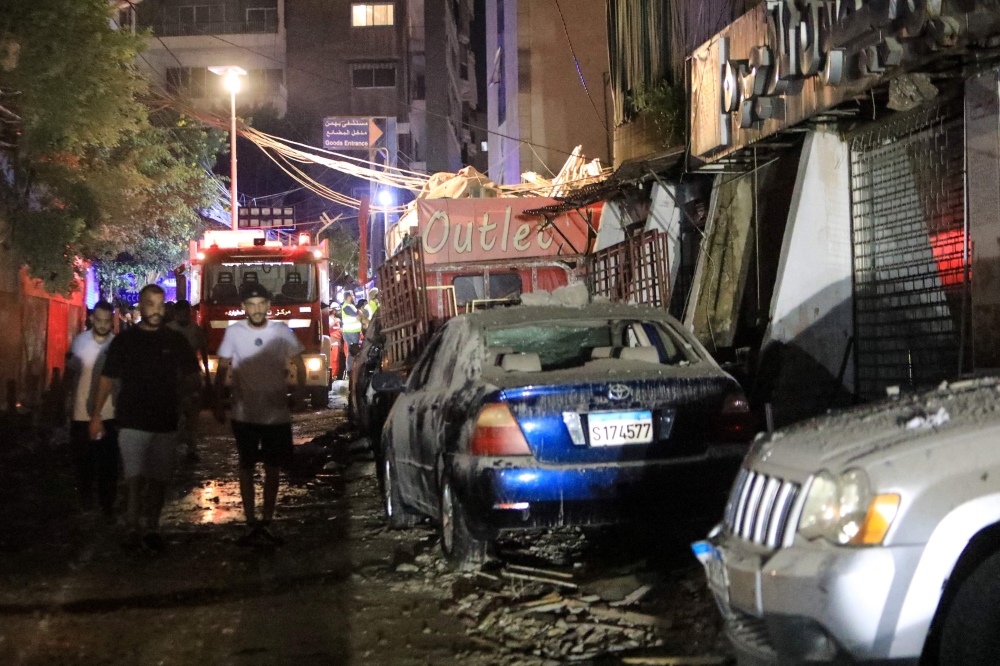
x=562 y=344
x=288 y=282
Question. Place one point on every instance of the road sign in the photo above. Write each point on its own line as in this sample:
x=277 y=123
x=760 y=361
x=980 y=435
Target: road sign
x=353 y=133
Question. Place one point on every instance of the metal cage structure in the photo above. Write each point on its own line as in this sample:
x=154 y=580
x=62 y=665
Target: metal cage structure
x=635 y=271
x=911 y=249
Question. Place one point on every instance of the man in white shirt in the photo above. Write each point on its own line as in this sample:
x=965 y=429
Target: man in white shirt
x=258 y=351
x=95 y=460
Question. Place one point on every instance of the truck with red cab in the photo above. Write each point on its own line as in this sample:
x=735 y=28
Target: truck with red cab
x=295 y=271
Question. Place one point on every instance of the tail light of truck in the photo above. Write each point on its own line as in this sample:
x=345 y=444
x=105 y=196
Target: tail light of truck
x=497 y=433
x=736 y=423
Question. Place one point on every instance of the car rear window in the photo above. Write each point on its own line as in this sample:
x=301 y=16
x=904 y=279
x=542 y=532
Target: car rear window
x=562 y=344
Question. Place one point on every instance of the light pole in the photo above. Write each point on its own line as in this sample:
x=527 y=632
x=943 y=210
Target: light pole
x=231 y=81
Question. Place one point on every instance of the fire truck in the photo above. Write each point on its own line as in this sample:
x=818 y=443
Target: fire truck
x=293 y=269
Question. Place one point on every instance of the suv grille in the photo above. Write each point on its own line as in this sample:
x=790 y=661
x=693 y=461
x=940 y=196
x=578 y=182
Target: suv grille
x=763 y=509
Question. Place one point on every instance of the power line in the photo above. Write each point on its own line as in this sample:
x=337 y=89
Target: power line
x=579 y=71
x=388 y=99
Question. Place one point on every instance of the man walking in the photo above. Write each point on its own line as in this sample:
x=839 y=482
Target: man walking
x=147 y=360
x=95 y=460
x=350 y=328
x=190 y=396
x=258 y=351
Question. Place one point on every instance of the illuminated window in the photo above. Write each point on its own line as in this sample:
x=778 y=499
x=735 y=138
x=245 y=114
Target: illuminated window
x=372 y=14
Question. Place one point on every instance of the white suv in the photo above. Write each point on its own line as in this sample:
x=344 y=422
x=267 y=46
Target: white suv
x=868 y=536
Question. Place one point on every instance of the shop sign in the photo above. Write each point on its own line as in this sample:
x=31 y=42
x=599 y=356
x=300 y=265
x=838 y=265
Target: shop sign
x=464 y=230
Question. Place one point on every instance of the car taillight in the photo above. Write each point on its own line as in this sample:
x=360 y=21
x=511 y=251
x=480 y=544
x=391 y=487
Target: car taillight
x=736 y=421
x=736 y=403
x=498 y=434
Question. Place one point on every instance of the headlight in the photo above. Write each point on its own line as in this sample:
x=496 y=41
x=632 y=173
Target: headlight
x=314 y=364
x=844 y=511
x=213 y=365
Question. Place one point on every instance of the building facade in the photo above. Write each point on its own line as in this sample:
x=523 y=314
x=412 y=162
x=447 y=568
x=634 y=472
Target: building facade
x=547 y=92
x=189 y=38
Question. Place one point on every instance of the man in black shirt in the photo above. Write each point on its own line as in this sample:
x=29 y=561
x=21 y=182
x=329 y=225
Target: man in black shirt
x=147 y=361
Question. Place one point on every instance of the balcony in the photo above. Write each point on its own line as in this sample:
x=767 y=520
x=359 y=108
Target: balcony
x=178 y=28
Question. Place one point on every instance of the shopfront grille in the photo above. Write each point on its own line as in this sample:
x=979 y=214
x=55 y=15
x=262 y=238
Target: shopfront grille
x=910 y=250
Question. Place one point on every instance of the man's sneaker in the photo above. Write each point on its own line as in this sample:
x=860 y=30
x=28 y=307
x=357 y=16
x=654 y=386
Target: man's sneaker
x=267 y=536
x=132 y=541
x=154 y=542
x=249 y=537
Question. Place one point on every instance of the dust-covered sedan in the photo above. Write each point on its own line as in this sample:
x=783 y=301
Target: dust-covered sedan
x=533 y=416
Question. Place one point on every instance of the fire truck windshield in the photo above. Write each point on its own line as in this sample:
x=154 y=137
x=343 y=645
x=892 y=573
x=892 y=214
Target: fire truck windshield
x=288 y=282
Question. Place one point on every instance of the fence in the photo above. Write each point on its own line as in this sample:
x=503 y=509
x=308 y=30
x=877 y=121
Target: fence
x=636 y=271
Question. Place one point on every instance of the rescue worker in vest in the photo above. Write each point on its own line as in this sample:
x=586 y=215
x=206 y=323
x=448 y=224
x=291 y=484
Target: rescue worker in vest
x=350 y=327
x=370 y=308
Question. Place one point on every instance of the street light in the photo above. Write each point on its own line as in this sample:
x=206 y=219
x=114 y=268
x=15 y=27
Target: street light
x=231 y=82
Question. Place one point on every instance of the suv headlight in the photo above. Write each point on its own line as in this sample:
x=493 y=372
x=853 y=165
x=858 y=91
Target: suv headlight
x=843 y=510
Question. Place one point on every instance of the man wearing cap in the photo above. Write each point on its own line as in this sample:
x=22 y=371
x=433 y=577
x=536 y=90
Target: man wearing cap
x=370 y=308
x=350 y=327
x=258 y=351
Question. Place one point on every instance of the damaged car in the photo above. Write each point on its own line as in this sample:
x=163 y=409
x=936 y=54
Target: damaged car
x=536 y=416
x=870 y=536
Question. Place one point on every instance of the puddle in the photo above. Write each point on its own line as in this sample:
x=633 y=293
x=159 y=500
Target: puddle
x=214 y=502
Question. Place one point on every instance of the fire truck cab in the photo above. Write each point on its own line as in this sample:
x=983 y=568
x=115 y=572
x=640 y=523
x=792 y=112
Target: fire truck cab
x=294 y=270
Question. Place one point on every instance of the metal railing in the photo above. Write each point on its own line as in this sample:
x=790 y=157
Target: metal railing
x=180 y=28
x=636 y=271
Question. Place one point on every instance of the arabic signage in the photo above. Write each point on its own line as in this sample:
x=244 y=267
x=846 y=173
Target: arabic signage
x=787 y=60
x=463 y=230
x=353 y=133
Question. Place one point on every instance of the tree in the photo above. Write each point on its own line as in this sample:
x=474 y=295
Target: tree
x=87 y=169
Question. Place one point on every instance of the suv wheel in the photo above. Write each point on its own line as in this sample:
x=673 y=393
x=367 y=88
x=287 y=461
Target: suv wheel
x=971 y=632
x=396 y=515
x=460 y=543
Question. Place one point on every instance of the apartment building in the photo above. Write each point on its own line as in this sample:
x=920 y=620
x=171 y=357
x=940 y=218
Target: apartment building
x=547 y=67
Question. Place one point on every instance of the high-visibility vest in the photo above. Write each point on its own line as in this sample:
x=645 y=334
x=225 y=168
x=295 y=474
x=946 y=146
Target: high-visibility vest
x=349 y=323
x=371 y=307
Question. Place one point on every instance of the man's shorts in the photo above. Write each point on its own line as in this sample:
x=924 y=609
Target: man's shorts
x=268 y=444
x=147 y=454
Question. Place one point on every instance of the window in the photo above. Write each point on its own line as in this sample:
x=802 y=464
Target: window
x=501 y=71
x=372 y=14
x=194 y=15
x=287 y=281
x=190 y=81
x=421 y=88
x=262 y=17
x=376 y=75
x=266 y=81
x=566 y=344
x=470 y=288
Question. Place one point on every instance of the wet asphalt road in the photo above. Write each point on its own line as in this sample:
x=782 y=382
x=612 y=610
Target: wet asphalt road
x=336 y=593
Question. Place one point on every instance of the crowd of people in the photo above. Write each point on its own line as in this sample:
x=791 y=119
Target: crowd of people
x=135 y=396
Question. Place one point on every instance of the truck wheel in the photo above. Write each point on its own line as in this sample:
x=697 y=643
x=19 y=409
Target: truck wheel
x=396 y=514
x=971 y=632
x=460 y=541
x=319 y=397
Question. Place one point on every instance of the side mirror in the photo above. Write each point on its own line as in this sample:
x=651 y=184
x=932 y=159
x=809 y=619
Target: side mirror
x=388 y=382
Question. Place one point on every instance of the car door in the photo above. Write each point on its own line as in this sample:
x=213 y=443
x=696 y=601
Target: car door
x=433 y=406
x=408 y=417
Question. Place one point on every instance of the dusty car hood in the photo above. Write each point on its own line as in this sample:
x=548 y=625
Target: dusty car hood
x=882 y=430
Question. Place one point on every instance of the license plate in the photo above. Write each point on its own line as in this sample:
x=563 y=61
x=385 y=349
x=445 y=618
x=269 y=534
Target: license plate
x=715 y=570
x=618 y=428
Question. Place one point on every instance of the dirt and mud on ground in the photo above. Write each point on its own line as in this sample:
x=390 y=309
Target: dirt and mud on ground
x=343 y=590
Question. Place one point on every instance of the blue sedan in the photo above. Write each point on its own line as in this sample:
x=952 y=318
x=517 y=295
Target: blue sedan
x=538 y=416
